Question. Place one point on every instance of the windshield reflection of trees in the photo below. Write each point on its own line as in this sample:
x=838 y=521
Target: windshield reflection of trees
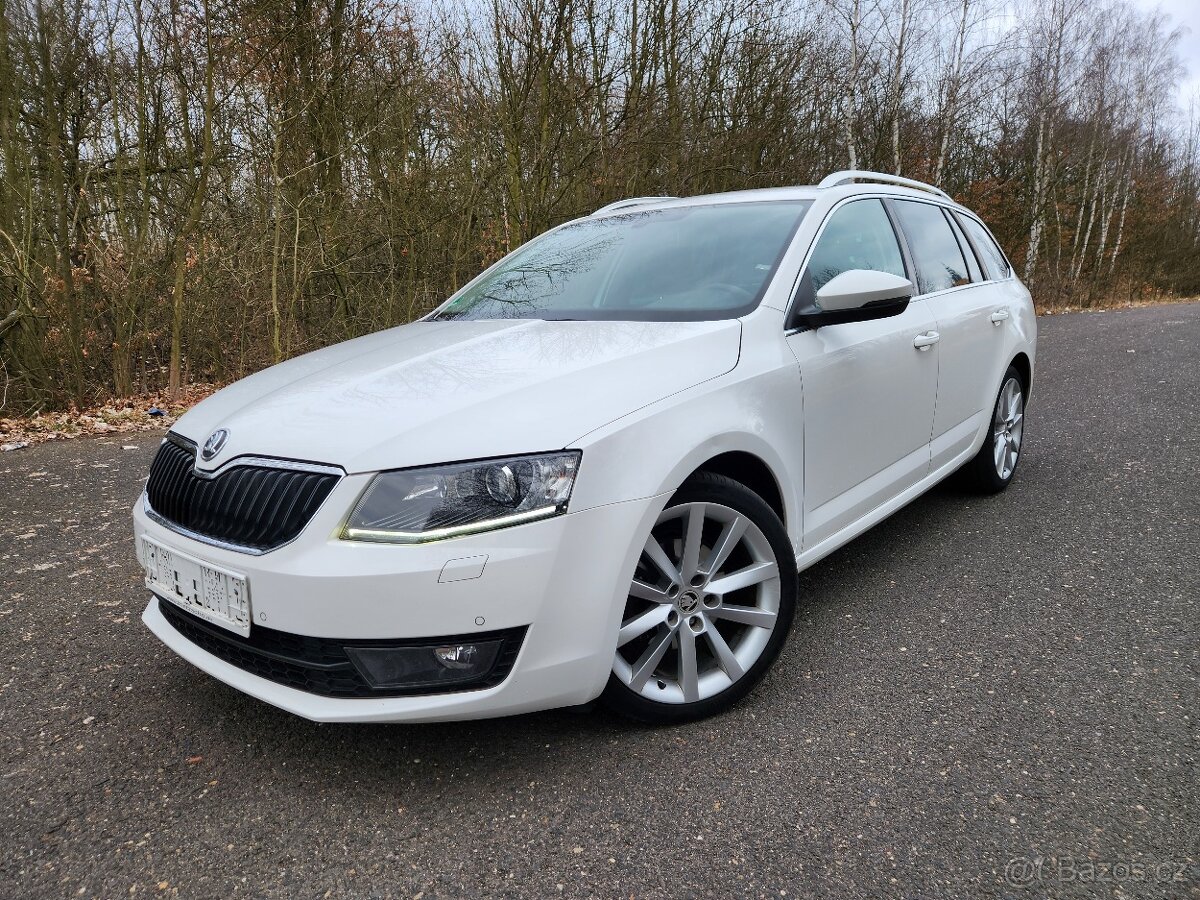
x=694 y=260
x=547 y=271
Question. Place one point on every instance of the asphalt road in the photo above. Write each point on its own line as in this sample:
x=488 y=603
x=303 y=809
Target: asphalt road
x=971 y=683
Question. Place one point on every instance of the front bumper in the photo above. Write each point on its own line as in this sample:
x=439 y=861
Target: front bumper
x=564 y=578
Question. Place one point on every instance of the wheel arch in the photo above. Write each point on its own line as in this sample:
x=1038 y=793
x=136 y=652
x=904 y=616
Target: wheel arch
x=1024 y=367
x=750 y=470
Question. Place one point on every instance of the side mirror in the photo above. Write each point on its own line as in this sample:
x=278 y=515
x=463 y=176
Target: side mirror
x=857 y=295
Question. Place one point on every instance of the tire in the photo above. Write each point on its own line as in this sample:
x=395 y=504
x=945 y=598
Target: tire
x=686 y=651
x=994 y=466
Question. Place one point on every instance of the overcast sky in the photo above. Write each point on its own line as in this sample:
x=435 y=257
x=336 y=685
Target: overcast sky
x=1186 y=13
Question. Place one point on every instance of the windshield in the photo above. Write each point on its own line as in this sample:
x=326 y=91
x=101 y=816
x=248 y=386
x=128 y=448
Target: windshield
x=682 y=264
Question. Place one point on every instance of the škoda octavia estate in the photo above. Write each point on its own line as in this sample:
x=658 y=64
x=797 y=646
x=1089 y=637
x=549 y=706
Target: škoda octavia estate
x=595 y=470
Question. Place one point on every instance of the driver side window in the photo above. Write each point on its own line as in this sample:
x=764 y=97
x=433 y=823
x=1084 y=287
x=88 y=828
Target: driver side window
x=858 y=235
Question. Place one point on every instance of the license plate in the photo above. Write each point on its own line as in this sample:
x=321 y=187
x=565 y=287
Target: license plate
x=215 y=595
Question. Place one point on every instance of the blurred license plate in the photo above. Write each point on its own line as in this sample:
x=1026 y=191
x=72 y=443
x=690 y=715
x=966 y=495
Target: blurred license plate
x=215 y=595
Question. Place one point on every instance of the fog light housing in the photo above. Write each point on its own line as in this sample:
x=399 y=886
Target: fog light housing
x=432 y=665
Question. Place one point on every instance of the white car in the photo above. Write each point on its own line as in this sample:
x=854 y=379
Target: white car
x=596 y=470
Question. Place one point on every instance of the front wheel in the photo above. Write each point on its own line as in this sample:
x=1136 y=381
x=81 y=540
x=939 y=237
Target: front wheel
x=710 y=605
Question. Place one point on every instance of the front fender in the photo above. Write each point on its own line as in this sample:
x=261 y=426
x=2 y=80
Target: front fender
x=653 y=451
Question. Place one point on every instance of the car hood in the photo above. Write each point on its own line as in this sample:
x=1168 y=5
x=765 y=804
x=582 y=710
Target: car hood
x=433 y=392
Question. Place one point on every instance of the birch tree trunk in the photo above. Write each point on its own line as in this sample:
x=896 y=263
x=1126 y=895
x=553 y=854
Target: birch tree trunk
x=948 y=112
x=1126 y=190
x=897 y=83
x=1038 y=198
x=850 y=115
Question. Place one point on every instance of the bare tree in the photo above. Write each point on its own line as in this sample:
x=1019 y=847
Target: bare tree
x=197 y=188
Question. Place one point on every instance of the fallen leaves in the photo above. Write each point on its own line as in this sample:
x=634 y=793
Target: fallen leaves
x=148 y=412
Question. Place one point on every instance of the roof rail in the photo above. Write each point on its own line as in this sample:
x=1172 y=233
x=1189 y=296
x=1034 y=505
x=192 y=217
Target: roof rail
x=628 y=204
x=849 y=176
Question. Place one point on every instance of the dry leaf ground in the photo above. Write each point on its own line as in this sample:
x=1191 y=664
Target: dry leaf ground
x=117 y=416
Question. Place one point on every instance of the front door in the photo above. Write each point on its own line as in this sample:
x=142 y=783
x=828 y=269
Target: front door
x=868 y=387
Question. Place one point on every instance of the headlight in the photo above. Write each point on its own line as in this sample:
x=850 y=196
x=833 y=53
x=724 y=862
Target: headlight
x=417 y=505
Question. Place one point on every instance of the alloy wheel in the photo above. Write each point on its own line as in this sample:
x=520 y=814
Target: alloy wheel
x=702 y=607
x=1008 y=424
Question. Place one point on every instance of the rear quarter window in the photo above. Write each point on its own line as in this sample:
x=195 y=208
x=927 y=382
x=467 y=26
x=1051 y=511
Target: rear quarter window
x=990 y=254
x=968 y=252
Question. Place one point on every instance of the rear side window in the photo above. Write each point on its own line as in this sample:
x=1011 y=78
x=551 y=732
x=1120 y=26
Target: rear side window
x=858 y=235
x=935 y=251
x=990 y=255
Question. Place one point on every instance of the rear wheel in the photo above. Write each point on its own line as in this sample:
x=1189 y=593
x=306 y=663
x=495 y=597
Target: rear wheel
x=995 y=464
x=710 y=605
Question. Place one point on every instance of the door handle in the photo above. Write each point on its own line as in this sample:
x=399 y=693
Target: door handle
x=924 y=341
x=998 y=316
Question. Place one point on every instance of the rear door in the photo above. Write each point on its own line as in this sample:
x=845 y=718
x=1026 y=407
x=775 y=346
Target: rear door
x=962 y=300
x=868 y=391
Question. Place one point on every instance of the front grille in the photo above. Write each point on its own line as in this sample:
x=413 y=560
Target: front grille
x=257 y=507
x=320 y=665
